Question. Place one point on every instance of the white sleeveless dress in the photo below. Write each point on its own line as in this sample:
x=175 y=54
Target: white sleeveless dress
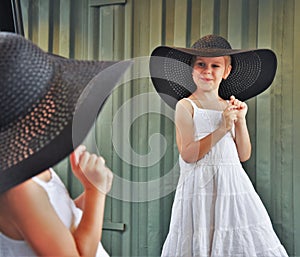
x=65 y=209
x=216 y=211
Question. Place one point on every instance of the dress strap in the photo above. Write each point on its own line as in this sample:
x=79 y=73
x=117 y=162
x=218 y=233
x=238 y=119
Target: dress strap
x=43 y=183
x=192 y=103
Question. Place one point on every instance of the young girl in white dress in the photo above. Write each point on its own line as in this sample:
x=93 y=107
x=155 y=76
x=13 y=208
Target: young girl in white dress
x=40 y=211
x=216 y=211
x=48 y=105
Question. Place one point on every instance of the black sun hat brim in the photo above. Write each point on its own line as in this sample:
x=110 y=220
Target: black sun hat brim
x=253 y=71
x=50 y=95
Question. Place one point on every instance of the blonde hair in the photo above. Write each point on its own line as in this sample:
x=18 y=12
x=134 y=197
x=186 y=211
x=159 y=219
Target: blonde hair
x=227 y=60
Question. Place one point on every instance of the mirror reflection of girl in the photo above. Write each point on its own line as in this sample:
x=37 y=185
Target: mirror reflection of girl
x=216 y=211
x=72 y=227
x=48 y=106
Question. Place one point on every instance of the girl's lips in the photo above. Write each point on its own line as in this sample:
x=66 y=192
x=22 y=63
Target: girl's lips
x=206 y=79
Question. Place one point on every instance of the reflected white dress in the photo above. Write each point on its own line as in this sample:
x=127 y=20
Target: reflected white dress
x=216 y=211
x=65 y=209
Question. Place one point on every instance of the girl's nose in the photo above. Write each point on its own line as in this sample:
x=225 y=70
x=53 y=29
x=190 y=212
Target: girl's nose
x=207 y=69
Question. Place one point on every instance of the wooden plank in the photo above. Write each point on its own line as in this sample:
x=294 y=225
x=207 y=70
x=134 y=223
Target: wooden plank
x=154 y=126
x=43 y=27
x=25 y=16
x=223 y=17
x=195 y=21
x=169 y=10
x=276 y=126
x=118 y=14
x=207 y=18
x=286 y=128
x=54 y=37
x=93 y=33
x=251 y=23
x=141 y=142
x=180 y=25
x=106 y=33
x=140 y=37
x=155 y=37
x=78 y=31
x=103 y=47
x=249 y=40
x=235 y=17
x=64 y=28
x=125 y=169
x=117 y=210
x=33 y=21
x=296 y=129
x=128 y=30
x=263 y=158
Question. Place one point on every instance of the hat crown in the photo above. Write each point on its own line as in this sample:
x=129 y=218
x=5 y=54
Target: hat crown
x=212 y=42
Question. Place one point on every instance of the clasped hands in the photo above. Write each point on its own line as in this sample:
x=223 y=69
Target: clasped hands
x=234 y=113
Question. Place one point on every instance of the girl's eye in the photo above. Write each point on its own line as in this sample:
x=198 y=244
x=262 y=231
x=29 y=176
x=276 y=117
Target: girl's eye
x=216 y=65
x=201 y=64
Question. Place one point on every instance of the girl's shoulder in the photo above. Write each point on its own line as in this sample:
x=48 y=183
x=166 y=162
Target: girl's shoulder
x=185 y=106
x=188 y=103
x=18 y=201
x=22 y=194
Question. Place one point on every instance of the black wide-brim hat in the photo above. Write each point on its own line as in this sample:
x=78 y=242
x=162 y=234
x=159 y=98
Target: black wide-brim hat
x=48 y=104
x=252 y=72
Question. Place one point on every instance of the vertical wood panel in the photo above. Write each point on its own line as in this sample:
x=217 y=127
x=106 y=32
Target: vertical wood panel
x=169 y=21
x=43 y=34
x=276 y=157
x=105 y=24
x=195 y=21
x=207 y=18
x=33 y=19
x=155 y=225
x=223 y=17
x=250 y=39
x=263 y=151
x=119 y=32
x=180 y=19
x=141 y=37
x=78 y=30
x=286 y=128
x=118 y=209
x=126 y=208
x=55 y=25
x=235 y=17
x=64 y=28
x=296 y=130
x=106 y=33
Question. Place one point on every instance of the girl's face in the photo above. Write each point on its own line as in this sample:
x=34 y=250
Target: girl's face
x=208 y=72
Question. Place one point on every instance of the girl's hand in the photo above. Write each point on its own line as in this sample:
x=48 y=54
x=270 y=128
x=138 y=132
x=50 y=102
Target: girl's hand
x=229 y=117
x=90 y=169
x=240 y=106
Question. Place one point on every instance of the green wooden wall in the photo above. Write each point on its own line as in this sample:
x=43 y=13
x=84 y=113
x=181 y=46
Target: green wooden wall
x=126 y=134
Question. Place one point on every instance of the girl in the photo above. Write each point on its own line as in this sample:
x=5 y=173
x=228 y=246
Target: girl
x=40 y=219
x=216 y=211
x=44 y=104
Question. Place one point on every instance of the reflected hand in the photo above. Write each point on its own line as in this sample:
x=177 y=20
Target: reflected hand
x=91 y=170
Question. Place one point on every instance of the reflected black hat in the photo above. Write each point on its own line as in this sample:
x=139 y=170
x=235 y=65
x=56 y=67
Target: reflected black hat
x=48 y=105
